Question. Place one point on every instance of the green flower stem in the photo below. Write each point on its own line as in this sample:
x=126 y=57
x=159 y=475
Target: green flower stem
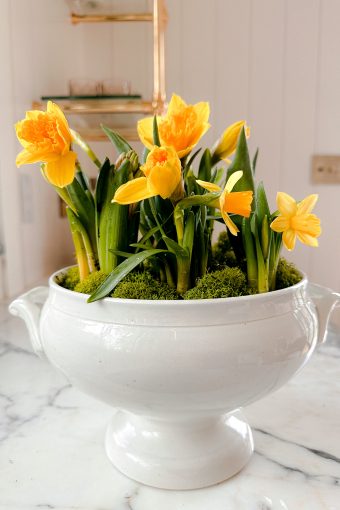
x=184 y=263
x=64 y=195
x=154 y=212
x=183 y=275
x=81 y=177
x=179 y=224
x=249 y=248
x=80 y=255
x=169 y=278
x=262 y=273
x=265 y=237
x=274 y=258
x=86 y=148
x=113 y=228
x=82 y=245
x=84 y=210
x=62 y=192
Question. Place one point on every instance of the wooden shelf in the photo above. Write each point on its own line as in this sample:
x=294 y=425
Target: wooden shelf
x=101 y=106
x=109 y=18
x=97 y=134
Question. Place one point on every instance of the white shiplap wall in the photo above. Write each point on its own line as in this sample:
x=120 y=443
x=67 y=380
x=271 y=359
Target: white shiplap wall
x=275 y=63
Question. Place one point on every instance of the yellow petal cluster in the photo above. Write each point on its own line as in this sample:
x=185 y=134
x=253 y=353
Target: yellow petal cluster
x=226 y=145
x=181 y=128
x=162 y=172
x=46 y=138
x=233 y=202
x=296 y=221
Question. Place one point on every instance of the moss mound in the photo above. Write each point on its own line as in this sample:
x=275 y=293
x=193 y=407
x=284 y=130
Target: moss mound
x=70 y=279
x=91 y=283
x=222 y=253
x=143 y=286
x=227 y=282
x=221 y=283
x=287 y=274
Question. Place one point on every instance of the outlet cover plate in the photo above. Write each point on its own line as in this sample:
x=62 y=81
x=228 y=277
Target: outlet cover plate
x=325 y=169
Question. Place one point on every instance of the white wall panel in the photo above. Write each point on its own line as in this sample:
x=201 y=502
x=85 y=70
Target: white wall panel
x=274 y=63
x=266 y=88
x=325 y=260
x=232 y=69
x=299 y=111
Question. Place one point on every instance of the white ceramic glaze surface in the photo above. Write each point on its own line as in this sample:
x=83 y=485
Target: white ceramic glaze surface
x=52 y=455
x=177 y=371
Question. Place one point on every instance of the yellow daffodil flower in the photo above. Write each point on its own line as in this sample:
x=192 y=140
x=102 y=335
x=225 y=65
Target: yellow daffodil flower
x=181 y=128
x=46 y=138
x=162 y=172
x=226 y=145
x=236 y=202
x=295 y=220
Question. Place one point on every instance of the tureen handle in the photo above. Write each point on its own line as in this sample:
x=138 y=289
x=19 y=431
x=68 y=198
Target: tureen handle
x=28 y=306
x=325 y=301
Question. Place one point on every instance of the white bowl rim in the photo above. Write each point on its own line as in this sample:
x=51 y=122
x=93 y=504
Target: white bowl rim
x=79 y=296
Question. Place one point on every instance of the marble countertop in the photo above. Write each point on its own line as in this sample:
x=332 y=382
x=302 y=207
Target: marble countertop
x=52 y=453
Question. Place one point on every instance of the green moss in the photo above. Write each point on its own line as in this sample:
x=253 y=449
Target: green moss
x=223 y=254
x=287 y=274
x=91 y=283
x=143 y=286
x=227 y=282
x=69 y=279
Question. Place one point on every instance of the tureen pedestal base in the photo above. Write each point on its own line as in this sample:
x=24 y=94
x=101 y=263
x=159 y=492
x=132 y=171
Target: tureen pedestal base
x=179 y=453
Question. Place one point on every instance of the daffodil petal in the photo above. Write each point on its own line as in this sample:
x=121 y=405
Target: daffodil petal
x=210 y=186
x=230 y=224
x=289 y=238
x=145 y=131
x=133 y=191
x=202 y=110
x=33 y=115
x=176 y=103
x=280 y=224
x=307 y=204
x=286 y=204
x=233 y=179
x=61 y=172
x=307 y=239
x=184 y=152
x=25 y=157
x=63 y=127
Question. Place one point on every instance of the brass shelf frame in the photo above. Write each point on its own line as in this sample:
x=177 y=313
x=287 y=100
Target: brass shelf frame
x=159 y=18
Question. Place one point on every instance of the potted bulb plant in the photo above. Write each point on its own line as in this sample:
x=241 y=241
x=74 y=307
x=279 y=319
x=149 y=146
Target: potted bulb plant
x=176 y=333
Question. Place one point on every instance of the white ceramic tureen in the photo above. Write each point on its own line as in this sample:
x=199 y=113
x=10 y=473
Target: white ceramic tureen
x=177 y=372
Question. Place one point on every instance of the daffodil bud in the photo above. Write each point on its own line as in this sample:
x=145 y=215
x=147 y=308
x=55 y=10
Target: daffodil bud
x=128 y=156
x=226 y=145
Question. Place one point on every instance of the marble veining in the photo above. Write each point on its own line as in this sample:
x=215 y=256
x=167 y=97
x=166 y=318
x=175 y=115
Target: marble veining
x=52 y=454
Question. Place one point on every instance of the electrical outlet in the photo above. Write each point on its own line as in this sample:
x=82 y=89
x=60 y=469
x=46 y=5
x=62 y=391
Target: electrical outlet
x=325 y=169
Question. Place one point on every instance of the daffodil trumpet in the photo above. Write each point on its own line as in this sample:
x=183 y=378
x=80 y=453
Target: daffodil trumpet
x=238 y=202
x=157 y=213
